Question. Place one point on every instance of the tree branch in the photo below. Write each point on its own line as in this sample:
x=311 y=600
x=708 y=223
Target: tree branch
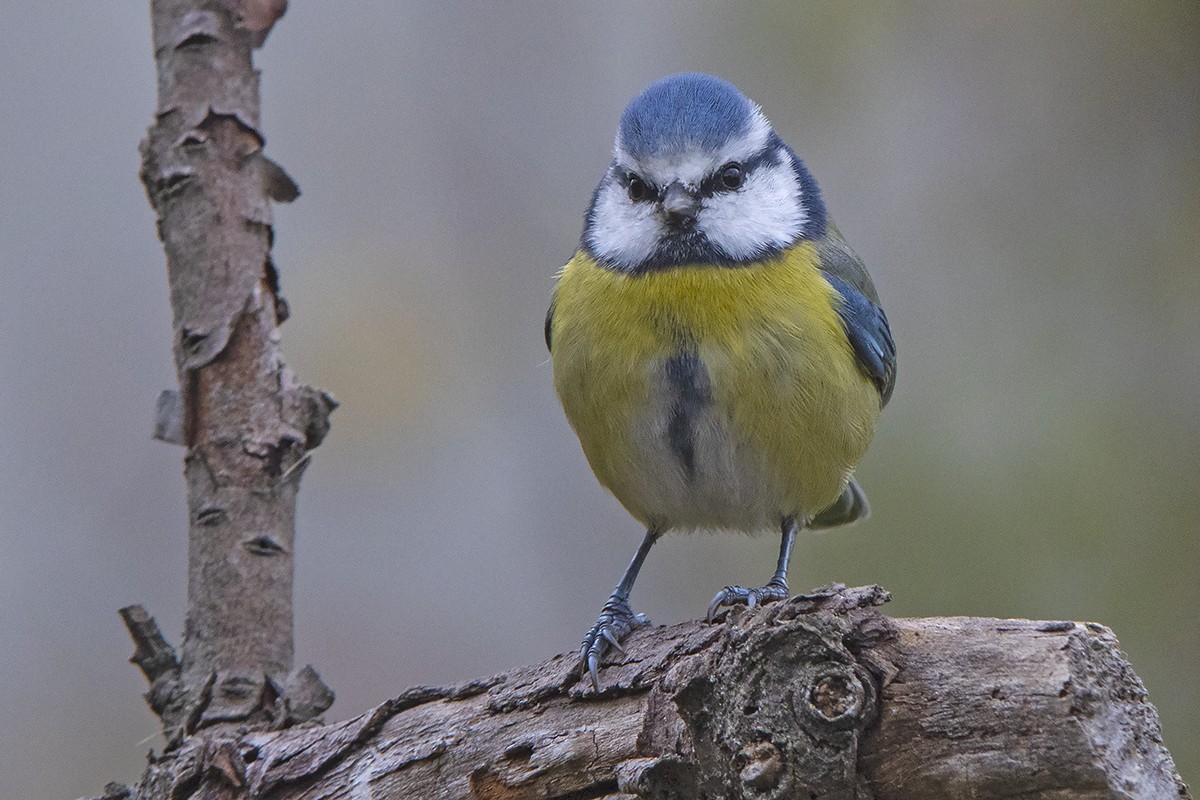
x=820 y=696
x=247 y=425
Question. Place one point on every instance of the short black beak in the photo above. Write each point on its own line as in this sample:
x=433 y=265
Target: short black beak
x=680 y=206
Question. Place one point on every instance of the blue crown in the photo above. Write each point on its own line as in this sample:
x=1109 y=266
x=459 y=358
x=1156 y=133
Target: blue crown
x=688 y=110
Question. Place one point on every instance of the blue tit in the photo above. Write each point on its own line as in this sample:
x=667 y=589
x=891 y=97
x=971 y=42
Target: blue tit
x=717 y=346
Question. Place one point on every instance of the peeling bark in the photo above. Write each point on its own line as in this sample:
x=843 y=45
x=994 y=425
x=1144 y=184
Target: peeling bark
x=819 y=696
x=247 y=425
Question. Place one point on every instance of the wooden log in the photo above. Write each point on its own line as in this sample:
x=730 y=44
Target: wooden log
x=991 y=708
x=821 y=696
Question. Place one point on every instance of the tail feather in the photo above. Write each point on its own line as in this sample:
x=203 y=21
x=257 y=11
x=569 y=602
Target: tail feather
x=851 y=506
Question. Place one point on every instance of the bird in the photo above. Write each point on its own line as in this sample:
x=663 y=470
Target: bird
x=718 y=348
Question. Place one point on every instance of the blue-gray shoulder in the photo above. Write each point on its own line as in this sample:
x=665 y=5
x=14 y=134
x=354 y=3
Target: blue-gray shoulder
x=863 y=317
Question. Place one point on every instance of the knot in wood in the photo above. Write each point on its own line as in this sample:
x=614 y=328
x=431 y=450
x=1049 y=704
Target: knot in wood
x=780 y=712
x=837 y=698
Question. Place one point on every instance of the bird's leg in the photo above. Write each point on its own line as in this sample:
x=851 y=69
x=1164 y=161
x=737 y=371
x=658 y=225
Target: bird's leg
x=776 y=588
x=616 y=618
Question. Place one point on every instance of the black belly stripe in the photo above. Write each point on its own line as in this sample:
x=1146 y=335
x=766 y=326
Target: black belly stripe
x=691 y=391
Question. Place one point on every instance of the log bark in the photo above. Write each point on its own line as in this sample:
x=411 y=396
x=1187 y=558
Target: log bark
x=246 y=424
x=821 y=696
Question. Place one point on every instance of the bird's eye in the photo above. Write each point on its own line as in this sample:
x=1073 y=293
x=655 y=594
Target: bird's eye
x=732 y=176
x=637 y=189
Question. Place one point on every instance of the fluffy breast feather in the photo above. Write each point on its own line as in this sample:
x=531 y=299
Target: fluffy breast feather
x=787 y=412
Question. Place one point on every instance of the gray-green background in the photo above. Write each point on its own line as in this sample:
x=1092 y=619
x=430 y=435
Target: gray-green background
x=1022 y=178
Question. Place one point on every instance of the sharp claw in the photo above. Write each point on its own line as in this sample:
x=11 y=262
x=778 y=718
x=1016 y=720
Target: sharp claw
x=592 y=664
x=732 y=595
x=715 y=604
x=616 y=620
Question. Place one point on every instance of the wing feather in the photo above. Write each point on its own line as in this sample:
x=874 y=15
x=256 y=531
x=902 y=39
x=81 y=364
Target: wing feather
x=865 y=322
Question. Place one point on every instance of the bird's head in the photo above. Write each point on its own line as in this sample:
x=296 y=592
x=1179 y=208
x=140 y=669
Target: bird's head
x=698 y=177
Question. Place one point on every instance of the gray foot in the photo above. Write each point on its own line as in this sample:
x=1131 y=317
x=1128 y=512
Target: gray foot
x=738 y=595
x=616 y=620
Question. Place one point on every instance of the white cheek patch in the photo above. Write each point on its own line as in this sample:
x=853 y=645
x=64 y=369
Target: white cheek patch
x=623 y=232
x=767 y=212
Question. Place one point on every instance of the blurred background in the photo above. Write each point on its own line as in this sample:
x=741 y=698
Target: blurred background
x=1023 y=180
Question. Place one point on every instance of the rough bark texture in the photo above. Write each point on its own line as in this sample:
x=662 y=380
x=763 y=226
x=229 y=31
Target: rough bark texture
x=991 y=708
x=818 y=697
x=247 y=425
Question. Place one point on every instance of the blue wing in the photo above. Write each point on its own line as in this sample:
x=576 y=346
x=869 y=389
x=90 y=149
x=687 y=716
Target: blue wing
x=869 y=334
x=865 y=323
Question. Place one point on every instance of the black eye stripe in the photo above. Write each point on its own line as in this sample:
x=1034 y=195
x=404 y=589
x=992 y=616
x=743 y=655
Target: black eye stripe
x=714 y=183
x=638 y=188
x=711 y=185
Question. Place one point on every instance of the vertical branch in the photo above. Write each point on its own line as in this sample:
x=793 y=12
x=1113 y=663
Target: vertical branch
x=246 y=424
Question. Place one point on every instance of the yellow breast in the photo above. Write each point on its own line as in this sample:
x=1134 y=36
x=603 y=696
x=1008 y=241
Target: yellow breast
x=782 y=412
